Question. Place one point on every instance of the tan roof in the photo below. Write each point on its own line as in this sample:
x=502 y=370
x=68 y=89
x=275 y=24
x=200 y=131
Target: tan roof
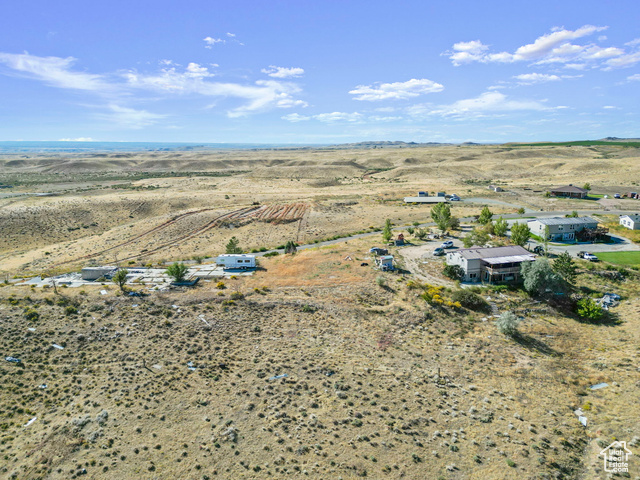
x=569 y=189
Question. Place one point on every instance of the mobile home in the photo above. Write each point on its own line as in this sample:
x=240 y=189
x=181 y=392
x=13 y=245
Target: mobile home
x=236 y=261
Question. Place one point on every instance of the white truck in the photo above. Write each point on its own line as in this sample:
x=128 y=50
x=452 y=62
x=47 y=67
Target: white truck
x=234 y=261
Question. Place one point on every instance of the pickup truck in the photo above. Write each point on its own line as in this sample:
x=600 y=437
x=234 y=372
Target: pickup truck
x=588 y=256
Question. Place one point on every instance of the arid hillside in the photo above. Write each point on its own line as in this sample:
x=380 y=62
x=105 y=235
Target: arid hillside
x=148 y=207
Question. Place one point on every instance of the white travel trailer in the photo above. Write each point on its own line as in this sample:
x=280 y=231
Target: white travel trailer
x=230 y=261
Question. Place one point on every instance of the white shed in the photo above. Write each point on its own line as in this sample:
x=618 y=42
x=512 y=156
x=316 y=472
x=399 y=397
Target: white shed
x=632 y=222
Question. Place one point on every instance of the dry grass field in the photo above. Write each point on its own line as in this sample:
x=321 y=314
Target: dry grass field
x=157 y=206
x=316 y=366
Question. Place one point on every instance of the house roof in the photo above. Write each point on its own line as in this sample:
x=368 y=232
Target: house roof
x=510 y=259
x=493 y=252
x=634 y=216
x=569 y=189
x=565 y=220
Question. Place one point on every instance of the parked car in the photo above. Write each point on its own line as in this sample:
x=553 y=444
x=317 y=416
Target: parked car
x=438 y=252
x=539 y=250
x=454 y=198
x=589 y=256
x=447 y=244
x=616 y=195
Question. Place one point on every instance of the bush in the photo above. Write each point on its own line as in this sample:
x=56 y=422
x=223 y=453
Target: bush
x=237 y=296
x=587 y=308
x=380 y=280
x=71 y=310
x=31 y=314
x=220 y=285
x=507 y=324
x=454 y=272
x=470 y=300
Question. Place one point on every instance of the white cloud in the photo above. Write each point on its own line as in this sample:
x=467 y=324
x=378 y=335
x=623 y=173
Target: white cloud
x=295 y=117
x=231 y=34
x=610 y=107
x=465 y=52
x=195 y=79
x=396 y=91
x=554 y=47
x=486 y=103
x=334 y=117
x=79 y=139
x=54 y=71
x=283 y=72
x=634 y=78
x=196 y=71
x=129 y=117
x=531 y=78
x=211 y=41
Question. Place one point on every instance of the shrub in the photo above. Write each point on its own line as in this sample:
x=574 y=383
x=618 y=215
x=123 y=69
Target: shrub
x=587 y=308
x=237 y=296
x=454 y=272
x=70 y=310
x=470 y=300
x=381 y=281
x=220 y=285
x=31 y=314
x=507 y=324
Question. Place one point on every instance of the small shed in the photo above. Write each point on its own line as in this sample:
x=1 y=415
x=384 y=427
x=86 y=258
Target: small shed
x=423 y=194
x=632 y=222
x=92 y=274
x=385 y=262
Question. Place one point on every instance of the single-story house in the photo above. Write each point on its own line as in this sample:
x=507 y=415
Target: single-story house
x=561 y=229
x=495 y=264
x=632 y=222
x=569 y=191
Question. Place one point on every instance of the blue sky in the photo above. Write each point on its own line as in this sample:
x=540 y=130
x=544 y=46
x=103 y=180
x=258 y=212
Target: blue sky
x=302 y=71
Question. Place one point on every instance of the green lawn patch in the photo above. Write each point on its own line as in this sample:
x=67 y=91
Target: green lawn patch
x=620 y=258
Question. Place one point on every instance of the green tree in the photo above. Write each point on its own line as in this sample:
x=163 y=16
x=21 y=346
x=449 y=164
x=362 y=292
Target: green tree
x=587 y=308
x=120 y=278
x=233 y=246
x=564 y=266
x=477 y=236
x=177 y=271
x=539 y=278
x=500 y=227
x=387 y=233
x=441 y=215
x=507 y=324
x=291 y=247
x=521 y=211
x=520 y=234
x=485 y=216
x=573 y=214
x=454 y=272
x=587 y=186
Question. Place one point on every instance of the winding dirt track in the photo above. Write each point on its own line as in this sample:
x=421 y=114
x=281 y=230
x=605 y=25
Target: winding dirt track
x=270 y=213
